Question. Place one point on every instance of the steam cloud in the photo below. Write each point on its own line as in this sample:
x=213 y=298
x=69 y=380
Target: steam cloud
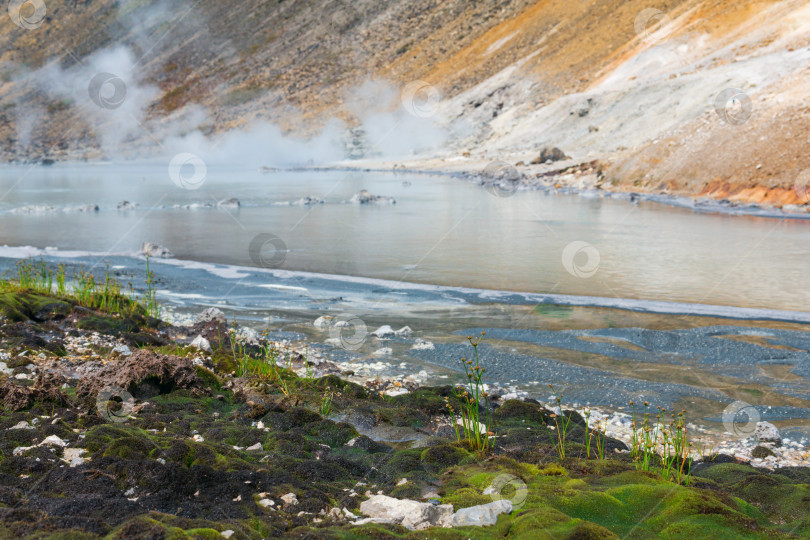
x=109 y=91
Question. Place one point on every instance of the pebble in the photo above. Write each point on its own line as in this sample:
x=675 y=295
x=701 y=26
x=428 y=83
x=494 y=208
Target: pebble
x=290 y=498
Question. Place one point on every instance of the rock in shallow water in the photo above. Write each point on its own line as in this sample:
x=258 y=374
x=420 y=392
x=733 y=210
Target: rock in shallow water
x=157 y=251
x=364 y=197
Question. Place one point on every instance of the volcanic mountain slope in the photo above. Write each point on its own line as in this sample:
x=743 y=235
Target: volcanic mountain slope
x=688 y=96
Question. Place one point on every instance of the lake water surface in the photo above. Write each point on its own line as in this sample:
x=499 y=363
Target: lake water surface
x=470 y=248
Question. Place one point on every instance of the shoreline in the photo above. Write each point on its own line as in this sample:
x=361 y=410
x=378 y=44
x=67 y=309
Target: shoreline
x=570 y=177
x=634 y=305
x=562 y=182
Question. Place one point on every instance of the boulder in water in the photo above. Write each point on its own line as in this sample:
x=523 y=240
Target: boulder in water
x=233 y=202
x=126 y=206
x=364 y=197
x=155 y=250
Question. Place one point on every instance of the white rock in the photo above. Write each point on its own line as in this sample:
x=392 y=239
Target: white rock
x=264 y=503
x=383 y=331
x=290 y=499
x=364 y=197
x=413 y=515
x=201 y=344
x=767 y=432
x=257 y=446
x=157 y=251
x=53 y=440
x=323 y=323
x=122 y=350
x=72 y=455
x=393 y=392
x=22 y=425
x=5 y=369
x=229 y=203
x=481 y=516
x=248 y=336
x=227 y=534
x=385 y=351
x=422 y=345
x=211 y=314
x=405 y=331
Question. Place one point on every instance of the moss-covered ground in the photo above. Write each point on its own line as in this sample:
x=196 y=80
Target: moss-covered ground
x=216 y=453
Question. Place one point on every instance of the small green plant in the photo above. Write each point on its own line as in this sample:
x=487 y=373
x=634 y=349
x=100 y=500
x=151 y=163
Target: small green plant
x=473 y=432
x=660 y=447
x=61 y=285
x=149 y=297
x=601 y=440
x=309 y=372
x=326 y=404
x=561 y=423
x=587 y=414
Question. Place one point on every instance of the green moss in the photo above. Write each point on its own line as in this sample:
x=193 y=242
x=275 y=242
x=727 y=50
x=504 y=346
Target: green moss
x=209 y=378
x=437 y=458
x=107 y=325
x=129 y=448
x=331 y=433
x=23 y=306
x=107 y=436
x=465 y=498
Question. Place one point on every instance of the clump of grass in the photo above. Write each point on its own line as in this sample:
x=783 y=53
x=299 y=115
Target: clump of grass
x=86 y=290
x=561 y=423
x=595 y=436
x=601 y=439
x=326 y=404
x=149 y=297
x=661 y=447
x=261 y=369
x=587 y=414
x=468 y=397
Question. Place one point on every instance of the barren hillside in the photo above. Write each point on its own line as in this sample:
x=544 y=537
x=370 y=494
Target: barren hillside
x=696 y=97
